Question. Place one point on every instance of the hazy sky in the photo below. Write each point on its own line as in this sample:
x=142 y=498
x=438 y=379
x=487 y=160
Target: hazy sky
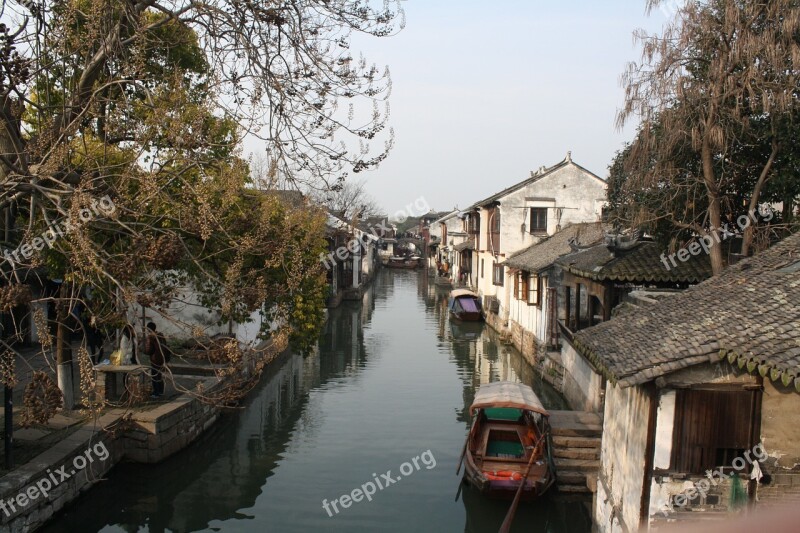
x=484 y=92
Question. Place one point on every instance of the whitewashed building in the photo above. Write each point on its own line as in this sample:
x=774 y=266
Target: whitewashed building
x=523 y=215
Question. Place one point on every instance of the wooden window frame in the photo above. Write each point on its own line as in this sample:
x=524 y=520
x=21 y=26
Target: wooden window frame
x=534 y=221
x=498 y=274
x=534 y=289
x=718 y=440
x=521 y=286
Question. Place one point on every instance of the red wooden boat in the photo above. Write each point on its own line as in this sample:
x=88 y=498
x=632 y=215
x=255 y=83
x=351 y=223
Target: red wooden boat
x=510 y=430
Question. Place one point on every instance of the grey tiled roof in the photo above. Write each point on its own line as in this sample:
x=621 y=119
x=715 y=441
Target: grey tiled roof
x=542 y=254
x=528 y=181
x=750 y=314
x=469 y=244
x=642 y=264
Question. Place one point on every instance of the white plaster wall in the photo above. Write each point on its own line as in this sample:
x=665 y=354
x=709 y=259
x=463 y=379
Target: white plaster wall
x=187 y=313
x=622 y=459
x=532 y=318
x=582 y=385
x=665 y=423
x=578 y=192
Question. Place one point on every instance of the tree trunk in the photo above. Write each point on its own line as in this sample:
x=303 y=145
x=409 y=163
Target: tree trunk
x=714 y=209
x=747 y=240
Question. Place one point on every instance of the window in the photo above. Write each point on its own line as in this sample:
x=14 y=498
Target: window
x=497 y=274
x=713 y=427
x=494 y=230
x=521 y=286
x=538 y=220
x=534 y=288
x=496 y=220
x=475 y=224
x=481 y=268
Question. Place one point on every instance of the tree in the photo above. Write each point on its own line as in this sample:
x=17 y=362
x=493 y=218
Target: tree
x=349 y=200
x=722 y=76
x=142 y=104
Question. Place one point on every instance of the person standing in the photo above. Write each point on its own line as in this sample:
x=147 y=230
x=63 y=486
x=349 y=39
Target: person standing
x=155 y=350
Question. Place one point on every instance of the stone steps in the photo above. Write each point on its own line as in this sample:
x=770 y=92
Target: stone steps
x=576 y=449
x=576 y=453
x=566 y=441
x=575 y=424
x=563 y=466
x=572 y=478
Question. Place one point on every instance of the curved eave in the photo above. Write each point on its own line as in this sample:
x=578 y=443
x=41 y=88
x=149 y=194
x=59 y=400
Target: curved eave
x=634 y=279
x=787 y=376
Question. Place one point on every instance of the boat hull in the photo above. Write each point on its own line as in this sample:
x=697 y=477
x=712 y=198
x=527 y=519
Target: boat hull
x=404 y=263
x=466 y=308
x=505 y=490
x=509 y=446
x=467 y=317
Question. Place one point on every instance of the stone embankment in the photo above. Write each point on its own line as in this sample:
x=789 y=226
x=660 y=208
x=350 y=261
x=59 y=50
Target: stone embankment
x=34 y=492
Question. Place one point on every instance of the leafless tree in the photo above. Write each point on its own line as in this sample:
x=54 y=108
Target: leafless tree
x=719 y=66
x=350 y=201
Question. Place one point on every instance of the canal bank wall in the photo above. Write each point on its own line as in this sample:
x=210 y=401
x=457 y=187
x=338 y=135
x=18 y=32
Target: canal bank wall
x=81 y=459
x=534 y=353
x=567 y=370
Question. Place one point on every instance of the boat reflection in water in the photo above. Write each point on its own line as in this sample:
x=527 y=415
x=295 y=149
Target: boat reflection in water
x=466 y=331
x=546 y=515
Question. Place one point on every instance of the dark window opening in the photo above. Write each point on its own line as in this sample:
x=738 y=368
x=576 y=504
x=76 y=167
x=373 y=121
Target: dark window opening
x=497 y=274
x=538 y=220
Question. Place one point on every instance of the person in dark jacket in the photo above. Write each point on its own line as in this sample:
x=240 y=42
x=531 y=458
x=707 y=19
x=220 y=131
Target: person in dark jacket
x=154 y=348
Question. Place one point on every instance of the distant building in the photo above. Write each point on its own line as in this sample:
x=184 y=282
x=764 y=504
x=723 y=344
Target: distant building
x=523 y=215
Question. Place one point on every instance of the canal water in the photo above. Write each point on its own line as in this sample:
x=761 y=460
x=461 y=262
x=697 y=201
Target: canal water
x=386 y=393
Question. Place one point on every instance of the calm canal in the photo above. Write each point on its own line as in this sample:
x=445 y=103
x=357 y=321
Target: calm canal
x=392 y=379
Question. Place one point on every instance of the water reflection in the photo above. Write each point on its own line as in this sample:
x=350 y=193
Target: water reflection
x=392 y=377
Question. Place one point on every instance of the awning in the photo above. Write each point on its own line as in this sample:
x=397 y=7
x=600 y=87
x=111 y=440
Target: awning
x=469 y=244
x=507 y=394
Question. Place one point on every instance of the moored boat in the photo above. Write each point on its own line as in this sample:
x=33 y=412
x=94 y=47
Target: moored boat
x=509 y=443
x=465 y=305
x=403 y=262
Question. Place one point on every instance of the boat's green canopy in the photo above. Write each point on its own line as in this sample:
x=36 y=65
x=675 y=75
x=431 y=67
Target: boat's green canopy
x=507 y=394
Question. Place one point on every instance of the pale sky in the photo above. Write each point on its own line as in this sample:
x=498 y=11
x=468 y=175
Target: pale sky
x=484 y=92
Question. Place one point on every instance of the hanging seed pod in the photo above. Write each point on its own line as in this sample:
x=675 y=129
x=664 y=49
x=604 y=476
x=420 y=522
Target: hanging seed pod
x=41 y=399
x=12 y=296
